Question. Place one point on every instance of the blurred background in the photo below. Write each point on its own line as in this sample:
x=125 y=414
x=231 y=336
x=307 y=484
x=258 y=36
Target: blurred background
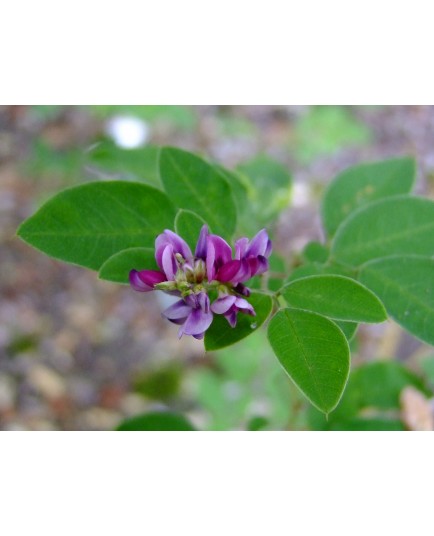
x=77 y=353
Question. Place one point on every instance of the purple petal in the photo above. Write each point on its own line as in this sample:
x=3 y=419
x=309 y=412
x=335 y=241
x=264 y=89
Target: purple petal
x=231 y=317
x=259 y=244
x=197 y=322
x=244 y=306
x=137 y=283
x=169 y=263
x=169 y=238
x=241 y=289
x=222 y=305
x=241 y=247
x=201 y=246
x=263 y=265
x=179 y=311
x=203 y=301
x=228 y=271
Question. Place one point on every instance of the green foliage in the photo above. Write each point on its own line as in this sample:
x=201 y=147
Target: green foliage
x=324 y=130
x=315 y=252
x=360 y=185
x=270 y=190
x=159 y=421
x=335 y=296
x=371 y=400
x=161 y=384
x=315 y=354
x=87 y=224
x=117 y=267
x=397 y=226
x=406 y=286
x=195 y=185
x=188 y=225
x=131 y=164
x=221 y=334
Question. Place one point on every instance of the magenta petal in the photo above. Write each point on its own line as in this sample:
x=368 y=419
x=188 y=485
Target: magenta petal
x=197 y=322
x=228 y=271
x=218 y=253
x=241 y=289
x=152 y=277
x=137 y=284
x=244 y=272
x=178 y=311
x=262 y=265
x=222 y=305
x=201 y=246
x=169 y=263
x=259 y=244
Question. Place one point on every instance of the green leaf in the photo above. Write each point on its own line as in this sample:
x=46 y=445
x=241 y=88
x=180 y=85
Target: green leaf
x=221 y=334
x=315 y=354
x=396 y=226
x=132 y=164
x=349 y=328
x=88 y=224
x=195 y=185
x=315 y=268
x=335 y=296
x=405 y=284
x=188 y=225
x=117 y=267
x=159 y=421
x=362 y=184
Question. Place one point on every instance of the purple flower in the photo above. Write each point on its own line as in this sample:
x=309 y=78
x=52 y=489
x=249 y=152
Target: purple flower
x=211 y=268
x=193 y=313
x=230 y=305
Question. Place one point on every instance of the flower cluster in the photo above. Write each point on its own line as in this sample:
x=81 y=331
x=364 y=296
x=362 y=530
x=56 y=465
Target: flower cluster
x=212 y=270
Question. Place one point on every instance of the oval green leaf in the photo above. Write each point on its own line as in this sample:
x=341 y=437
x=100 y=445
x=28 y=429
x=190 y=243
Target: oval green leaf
x=406 y=286
x=315 y=354
x=396 y=226
x=117 y=267
x=188 y=225
x=87 y=224
x=363 y=184
x=195 y=185
x=221 y=334
x=159 y=421
x=335 y=296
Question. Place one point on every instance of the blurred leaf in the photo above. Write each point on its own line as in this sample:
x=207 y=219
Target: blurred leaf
x=160 y=384
x=335 y=296
x=326 y=129
x=117 y=267
x=87 y=224
x=428 y=369
x=271 y=187
x=158 y=421
x=406 y=286
x=221 y=334
x=315 y=252
x=183 y=117
x=195 y=185
x=375 y=388
x=359 y=185
x=131 y=164
x=257 y=423
x=64 y=164
x=188 y=225
x=397 y=226
x=315 y=354
x=368 y=425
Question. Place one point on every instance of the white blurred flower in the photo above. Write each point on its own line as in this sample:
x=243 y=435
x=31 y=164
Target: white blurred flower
x=128 y=132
